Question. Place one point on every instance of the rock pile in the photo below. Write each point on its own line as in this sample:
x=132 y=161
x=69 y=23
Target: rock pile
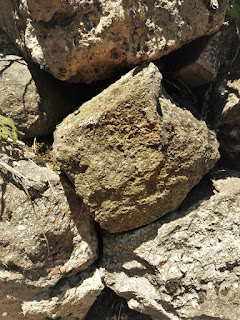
x=128 y=199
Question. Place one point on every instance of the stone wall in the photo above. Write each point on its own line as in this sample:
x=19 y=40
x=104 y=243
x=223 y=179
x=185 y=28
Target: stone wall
x=119 y=171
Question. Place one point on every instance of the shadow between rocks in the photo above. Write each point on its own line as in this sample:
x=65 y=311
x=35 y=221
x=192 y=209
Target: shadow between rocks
x=109 y=306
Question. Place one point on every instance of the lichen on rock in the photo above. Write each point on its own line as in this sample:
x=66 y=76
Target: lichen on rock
x=132 y=154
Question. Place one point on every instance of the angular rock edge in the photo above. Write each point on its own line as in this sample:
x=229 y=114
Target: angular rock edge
x=132 y=154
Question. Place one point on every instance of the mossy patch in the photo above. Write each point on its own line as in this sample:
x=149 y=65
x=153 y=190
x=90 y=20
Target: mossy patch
x=7 y=129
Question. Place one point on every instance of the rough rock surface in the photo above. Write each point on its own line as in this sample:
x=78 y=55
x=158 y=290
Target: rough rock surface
x=68 y=300
x=134 y=156
x=82 y=40
x=109 y=306
x=186 y=264
x=203 y=66
x=46 y=232
x=31 y=97
x=224 y=114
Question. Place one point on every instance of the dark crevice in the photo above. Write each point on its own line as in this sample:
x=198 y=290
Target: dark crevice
x=109 y=305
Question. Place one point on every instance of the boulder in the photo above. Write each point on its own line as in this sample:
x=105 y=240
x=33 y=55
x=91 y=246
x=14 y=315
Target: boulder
x=31 y=97
x=202 y=59
x=224 y=114
x=68 y=300
x=186 y=264
x=86 y=40
x=132 y=154
x=46 y=232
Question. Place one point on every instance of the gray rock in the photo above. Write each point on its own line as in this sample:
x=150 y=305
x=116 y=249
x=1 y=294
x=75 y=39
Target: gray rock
x=204 y=58
x=68 y=300
x=31 y=97
x=132 y=154
x=223 y=113
x=46 y=232
x=186 y=264
x=86 y=40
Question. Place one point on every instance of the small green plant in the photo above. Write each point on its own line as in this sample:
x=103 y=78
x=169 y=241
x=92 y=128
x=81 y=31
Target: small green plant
x=8 y=131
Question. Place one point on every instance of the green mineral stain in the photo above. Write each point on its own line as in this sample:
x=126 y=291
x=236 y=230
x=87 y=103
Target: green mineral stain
x=7 y=129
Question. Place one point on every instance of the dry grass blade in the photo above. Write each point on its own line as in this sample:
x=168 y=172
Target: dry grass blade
x=20 y=176
x=120 y=309
x=13 y=171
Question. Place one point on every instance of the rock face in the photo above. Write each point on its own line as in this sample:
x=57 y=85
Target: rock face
x=186 y=264
x=134 y=156
x=203 y=66
x=224 y=107
x=31 y=97
x=68 y=300
x=84 y=40
x=71 y=299
x=46 y=232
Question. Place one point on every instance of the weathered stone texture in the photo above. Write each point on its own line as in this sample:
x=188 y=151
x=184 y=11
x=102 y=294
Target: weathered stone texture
x=68 y=300
x=202 y=67
x=82 y=40
x=186 y=264
x=46 y=233
x=223 y=113
x=134 y=156
x=31 y=97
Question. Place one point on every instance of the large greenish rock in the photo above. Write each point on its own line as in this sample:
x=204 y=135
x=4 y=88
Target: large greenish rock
x=132 y=154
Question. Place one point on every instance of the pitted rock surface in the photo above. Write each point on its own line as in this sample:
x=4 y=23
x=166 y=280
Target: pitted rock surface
x=223 y=113
x=31 y=97
x=132 y=154
x=83 y=41
x=70 y=299
x=46 y=232
x=186 y=264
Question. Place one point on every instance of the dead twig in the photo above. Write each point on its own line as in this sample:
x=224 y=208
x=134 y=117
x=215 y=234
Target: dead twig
x=21 y=178
x=49 y=183
x=13 y=171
